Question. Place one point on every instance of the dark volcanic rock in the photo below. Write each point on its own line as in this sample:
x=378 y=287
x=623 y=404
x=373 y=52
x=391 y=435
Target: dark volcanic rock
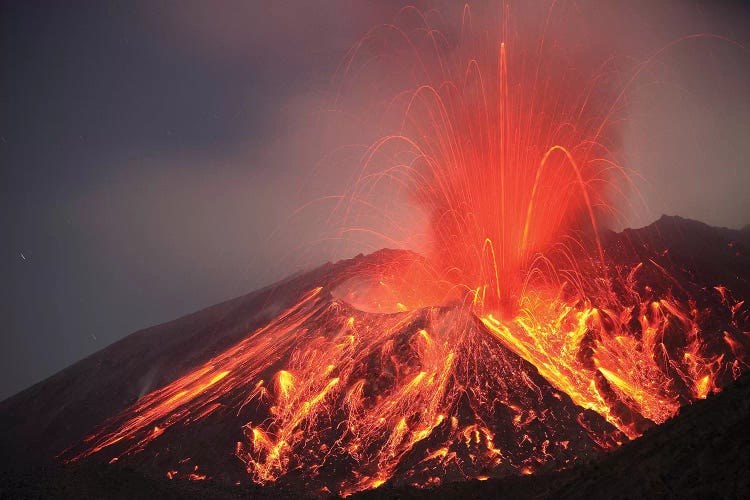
x=45 y=419
x=703 y=451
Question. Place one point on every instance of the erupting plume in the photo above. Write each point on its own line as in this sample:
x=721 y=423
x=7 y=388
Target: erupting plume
x=518 y=341
x=503 y=146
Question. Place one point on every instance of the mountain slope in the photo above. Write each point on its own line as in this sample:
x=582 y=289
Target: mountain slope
x=703 y=452
x=294 y=387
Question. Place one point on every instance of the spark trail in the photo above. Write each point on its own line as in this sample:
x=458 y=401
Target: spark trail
x=515 y=343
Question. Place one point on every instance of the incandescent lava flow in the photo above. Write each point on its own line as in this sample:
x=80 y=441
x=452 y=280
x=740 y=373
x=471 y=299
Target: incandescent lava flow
x=526 y=337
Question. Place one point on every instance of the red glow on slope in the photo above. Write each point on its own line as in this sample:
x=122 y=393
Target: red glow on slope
x=469 y=362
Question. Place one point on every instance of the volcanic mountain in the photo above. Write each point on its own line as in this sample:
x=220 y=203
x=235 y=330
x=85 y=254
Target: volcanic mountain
x=303 y=389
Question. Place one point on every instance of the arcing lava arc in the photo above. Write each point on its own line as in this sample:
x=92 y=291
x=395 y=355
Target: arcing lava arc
x=525 y=337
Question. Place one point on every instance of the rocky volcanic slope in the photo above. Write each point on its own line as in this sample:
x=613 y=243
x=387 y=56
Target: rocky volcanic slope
x=43 y=420
x=702 y=451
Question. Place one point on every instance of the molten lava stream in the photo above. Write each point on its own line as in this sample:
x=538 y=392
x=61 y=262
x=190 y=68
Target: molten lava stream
x=342 y=400
x=515 y=343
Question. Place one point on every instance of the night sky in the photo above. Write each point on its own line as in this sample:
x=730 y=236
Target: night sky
x=153 y=153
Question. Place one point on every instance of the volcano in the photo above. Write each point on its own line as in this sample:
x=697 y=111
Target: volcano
x=304 y=388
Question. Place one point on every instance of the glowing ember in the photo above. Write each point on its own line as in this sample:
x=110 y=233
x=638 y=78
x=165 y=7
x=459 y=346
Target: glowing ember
x=517 y=342
x=373 y=391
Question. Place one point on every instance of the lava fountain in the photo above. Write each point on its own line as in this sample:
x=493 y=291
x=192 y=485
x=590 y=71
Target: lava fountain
x=518 y=341
x=507 y=151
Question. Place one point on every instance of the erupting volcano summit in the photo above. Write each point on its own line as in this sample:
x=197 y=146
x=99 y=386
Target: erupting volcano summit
x=523 y=337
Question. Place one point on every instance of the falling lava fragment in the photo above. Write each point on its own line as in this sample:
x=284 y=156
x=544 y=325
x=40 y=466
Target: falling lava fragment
x=329 y=398
x=524 y=338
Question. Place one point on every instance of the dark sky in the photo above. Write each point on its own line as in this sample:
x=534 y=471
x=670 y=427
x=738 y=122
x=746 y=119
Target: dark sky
x=153 y=153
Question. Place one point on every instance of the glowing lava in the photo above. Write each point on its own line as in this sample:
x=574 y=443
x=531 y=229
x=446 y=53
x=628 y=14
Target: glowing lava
x=363 y=397
x=515 y=343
